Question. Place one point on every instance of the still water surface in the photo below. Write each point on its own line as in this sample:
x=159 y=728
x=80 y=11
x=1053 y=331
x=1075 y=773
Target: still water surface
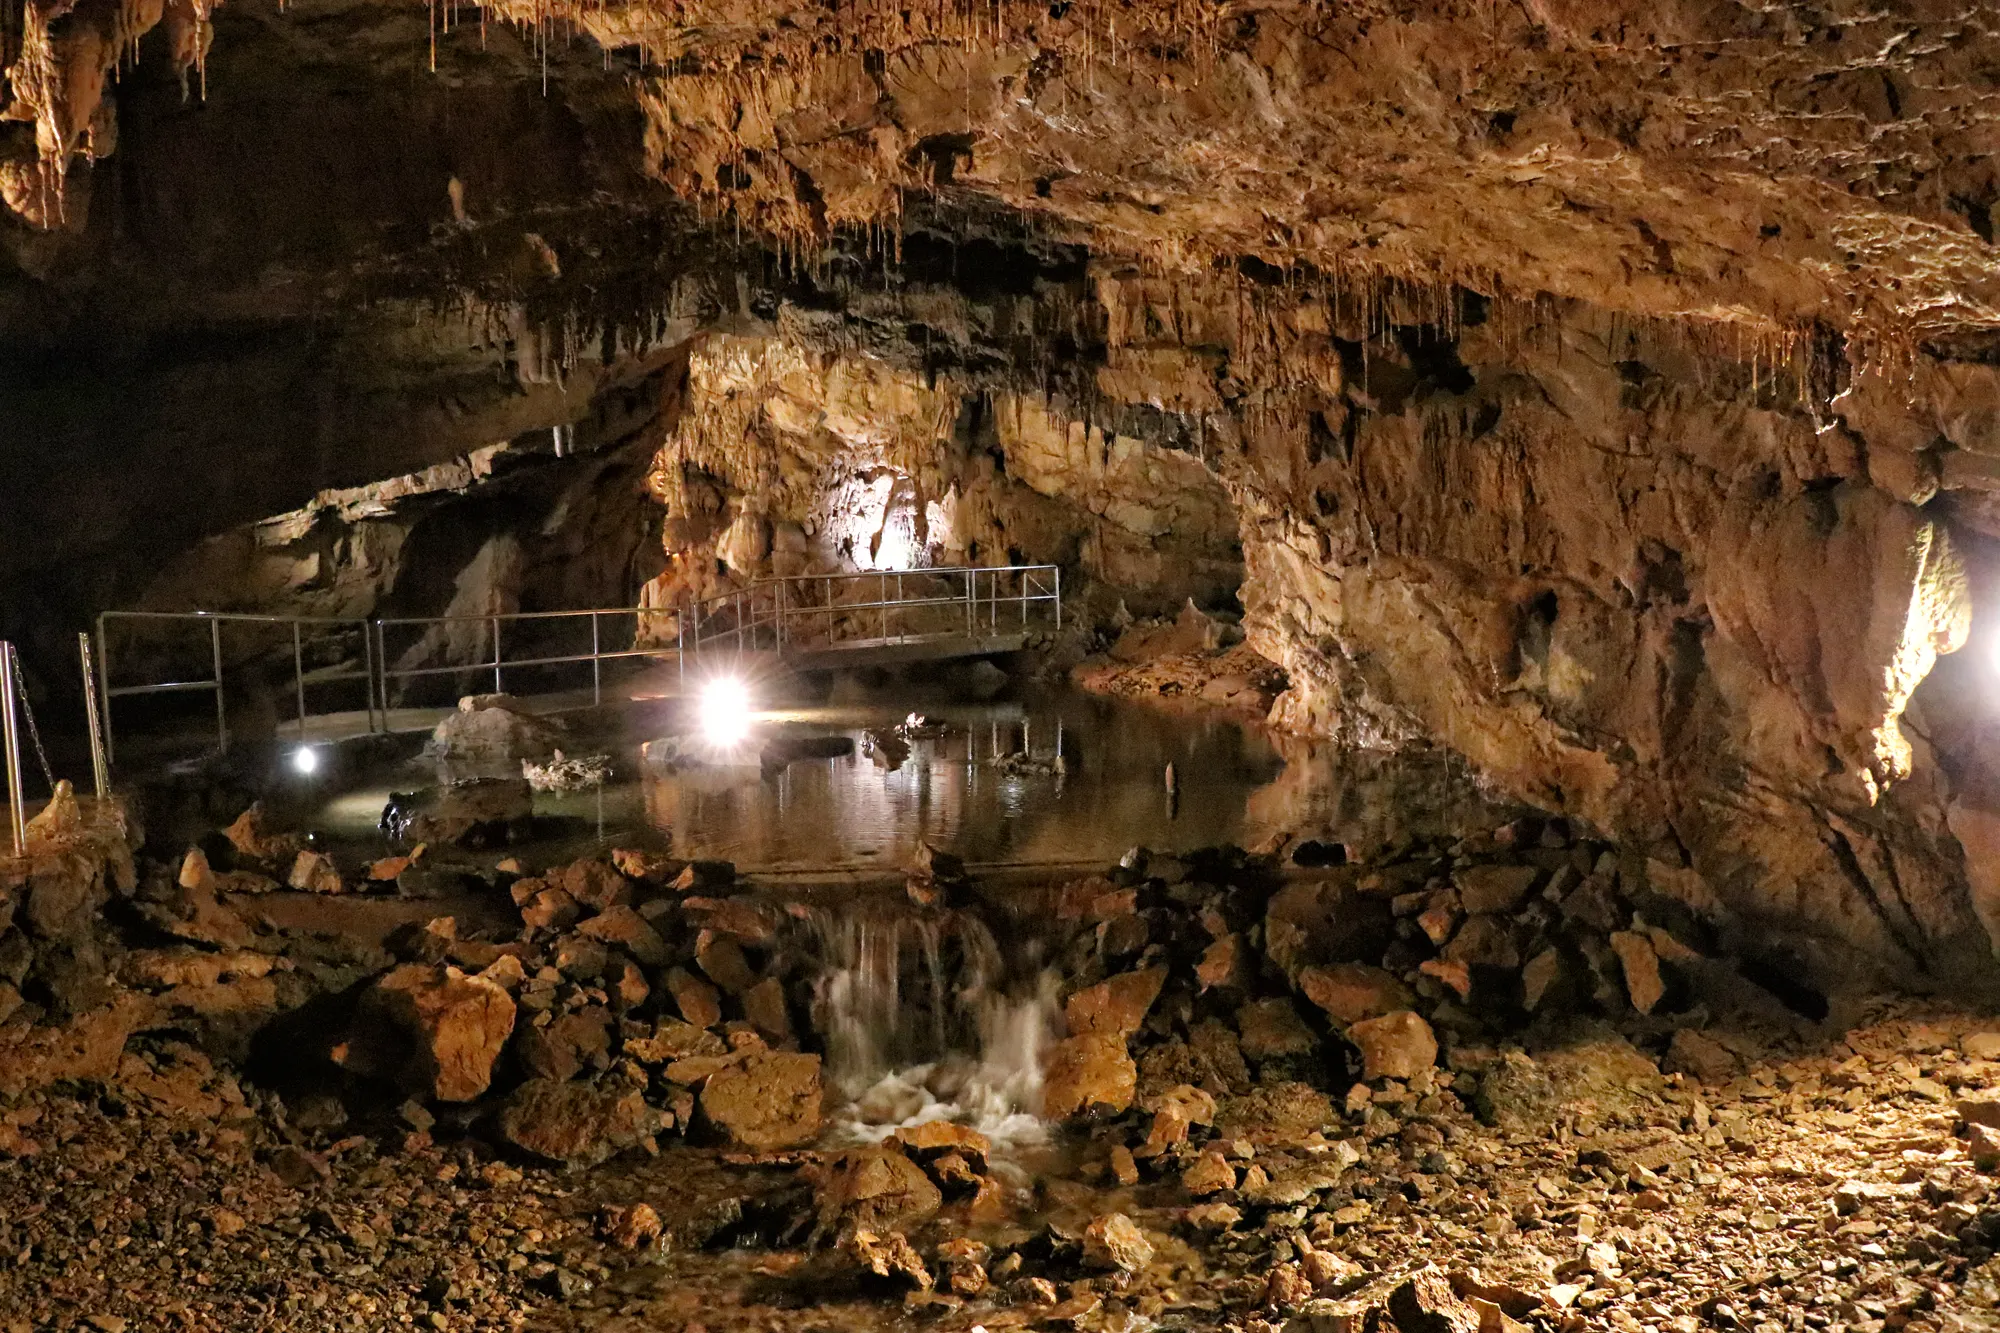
x=989 y=788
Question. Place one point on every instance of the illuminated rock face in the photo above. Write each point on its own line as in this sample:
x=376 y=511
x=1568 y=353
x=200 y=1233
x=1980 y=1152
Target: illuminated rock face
x=1603 y=392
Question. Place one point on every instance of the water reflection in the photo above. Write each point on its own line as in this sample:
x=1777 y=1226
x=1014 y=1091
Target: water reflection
x=1058 y=777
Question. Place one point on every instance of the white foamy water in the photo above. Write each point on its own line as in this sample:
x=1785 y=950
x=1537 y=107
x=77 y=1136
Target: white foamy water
x=922 y=1022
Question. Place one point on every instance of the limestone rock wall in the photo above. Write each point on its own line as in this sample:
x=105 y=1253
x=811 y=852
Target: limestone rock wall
x=789 y=460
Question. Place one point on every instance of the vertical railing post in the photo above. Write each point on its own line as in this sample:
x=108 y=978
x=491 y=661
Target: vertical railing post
x=497 y=689
x=971 y=604
x=374 y=650
x=596 y=665
x=100 y=764
x=299 y=674
x=1058 y=596
x=104 y=688
x=221 y=706
x=10 y=739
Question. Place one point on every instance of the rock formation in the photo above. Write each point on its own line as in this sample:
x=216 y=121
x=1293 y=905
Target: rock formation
x=1604 y=393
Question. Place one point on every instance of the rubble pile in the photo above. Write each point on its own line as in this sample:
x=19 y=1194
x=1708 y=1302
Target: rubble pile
x=1495 y=1083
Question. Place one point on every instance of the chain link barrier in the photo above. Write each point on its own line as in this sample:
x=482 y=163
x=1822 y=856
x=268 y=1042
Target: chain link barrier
x=34 y=732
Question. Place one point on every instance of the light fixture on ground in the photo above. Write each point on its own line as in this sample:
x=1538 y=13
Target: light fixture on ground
x=305 y=760
x=725 y=710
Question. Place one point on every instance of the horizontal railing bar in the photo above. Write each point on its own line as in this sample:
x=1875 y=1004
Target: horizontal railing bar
x=121 y=691
x=234 y=615
x=398 y=673
x=526 y=615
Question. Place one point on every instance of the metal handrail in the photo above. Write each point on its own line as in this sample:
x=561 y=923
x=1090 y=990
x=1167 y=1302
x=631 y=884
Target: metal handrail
x=763 y=614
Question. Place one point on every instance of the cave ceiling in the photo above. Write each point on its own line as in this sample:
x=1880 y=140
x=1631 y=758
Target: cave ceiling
x=1780 y=172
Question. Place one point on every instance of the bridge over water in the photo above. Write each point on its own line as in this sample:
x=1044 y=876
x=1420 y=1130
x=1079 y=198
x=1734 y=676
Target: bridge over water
x=318 y=678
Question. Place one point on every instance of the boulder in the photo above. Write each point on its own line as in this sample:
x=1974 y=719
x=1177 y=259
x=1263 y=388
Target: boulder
x=1322 y=922
x=721 y=957
x=493 y=734
x=1088 y=1074
x=577 y=1123
x=891 y=1256
x=629 y=1226
x=1484 y=941
x=255 y=841
x=1272 y=1029
x=594 y=884
x=1209 y=1173
x=699 y=1002
x=1522 y=1093
x=672 y=1040
x=481 y=811
x=1114 y=1241
x=1277 y=1114
x=1397 y=1045
x=1543 y=971
x=65 y=892
x=1701 y=1055
x=1350 y=992
x=648 y=867
x=764 y=1005
x=1642 y=968
x=1427 y=1304
x=1175 y=1111
x=770 y=1100
x=315 y=872
x=624 y=927
x=873 y=1188
x=455 y=1027
x=567 y=1045
x=551 y=909
x=1223 y=963
x=1494 y=888
x=1117 y=1006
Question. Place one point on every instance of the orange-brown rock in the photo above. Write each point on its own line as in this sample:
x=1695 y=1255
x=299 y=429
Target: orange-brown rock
x=1494 y=888
x=1088 y=1074
x=1351 y=992
x=1114 y=1241
x=1117 y=1006
x=1642 y=969
x=1175 y=1111
x=455 y=1027
x=769 y=1100
x=699 y=1002
x=567 y=1045
x=873 y=1188
x=1272 y=1029
x=577 y=1123
x=721 y=957
x=1398 y=1045
x=1223 y=963
x=596 y=885
x=315 y=872
x=624 y=927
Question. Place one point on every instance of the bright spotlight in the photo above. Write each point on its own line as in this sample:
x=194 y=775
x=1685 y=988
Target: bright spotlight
x=306 y=760
x=725 y=710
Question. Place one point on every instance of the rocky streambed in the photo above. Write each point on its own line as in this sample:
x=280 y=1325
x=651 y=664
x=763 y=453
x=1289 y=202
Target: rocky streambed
x=1505 y=1081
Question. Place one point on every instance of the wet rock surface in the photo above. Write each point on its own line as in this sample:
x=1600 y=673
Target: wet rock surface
x=541 y=1125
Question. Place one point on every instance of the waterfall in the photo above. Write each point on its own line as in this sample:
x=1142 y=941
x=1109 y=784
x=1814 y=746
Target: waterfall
x=925 y=1017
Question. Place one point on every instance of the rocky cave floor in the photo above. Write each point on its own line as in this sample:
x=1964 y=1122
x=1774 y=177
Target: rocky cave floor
x=1466 y=1086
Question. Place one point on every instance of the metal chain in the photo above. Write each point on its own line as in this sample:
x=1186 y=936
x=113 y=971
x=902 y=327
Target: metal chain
x=34 y=732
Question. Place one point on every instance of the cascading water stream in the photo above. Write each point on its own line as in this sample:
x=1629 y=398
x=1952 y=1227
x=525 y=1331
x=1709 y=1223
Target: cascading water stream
x=926 y=1018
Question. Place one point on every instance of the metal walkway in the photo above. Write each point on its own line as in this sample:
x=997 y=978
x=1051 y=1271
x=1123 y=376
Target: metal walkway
x=317 y=679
